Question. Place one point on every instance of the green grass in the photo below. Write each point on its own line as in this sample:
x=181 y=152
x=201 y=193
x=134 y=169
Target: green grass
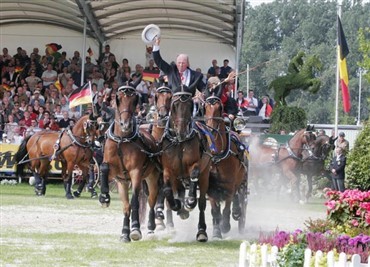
x=21 y=245
x=88 y=235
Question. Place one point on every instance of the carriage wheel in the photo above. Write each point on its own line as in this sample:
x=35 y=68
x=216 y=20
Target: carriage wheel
x=243 y=201
x=77 y=178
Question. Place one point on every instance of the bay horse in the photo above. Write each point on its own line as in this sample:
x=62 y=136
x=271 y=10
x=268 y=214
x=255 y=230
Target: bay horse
x=71 y=147
x=314 y=158
x=286 y=159
x=229 y=170
x=184 y=159
x=129 y=159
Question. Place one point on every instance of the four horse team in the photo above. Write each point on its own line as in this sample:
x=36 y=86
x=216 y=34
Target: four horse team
x=177 y=163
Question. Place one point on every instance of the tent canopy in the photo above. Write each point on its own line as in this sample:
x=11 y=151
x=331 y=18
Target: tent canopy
x=221 y=20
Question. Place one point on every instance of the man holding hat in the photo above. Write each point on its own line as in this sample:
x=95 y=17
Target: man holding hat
x=179 y=72
x=343 y=143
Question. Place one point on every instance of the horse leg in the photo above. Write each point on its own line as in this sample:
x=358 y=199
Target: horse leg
x=123 y=193
x=216 y=219
x=202 y=227
x=225 y=225
x=159 y=215
x=135 y=233
x=191 y=200
x=38 y=183
x=309 y=191
x=91 y=181
x=183 y=213
x=68 y=181
x=236 y=211
x=174 y=204
x=153 y=192
x=104 y=197
x=80 y=188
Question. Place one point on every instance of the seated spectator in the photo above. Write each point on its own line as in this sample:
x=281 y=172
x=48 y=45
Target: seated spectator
x=266 y=109
x=31 y=111
x=27 y=118
x=74 y=113
x=64 y=76
x=11 y=128
x=34 y=128
x=64 y=106
x=242 y=103
x=53 y=124
x=37 y=97
x=32 y=80
x=17 y=113
x=58 y=114
x=49 y=76
x=45 y=120
x=23 y=105
x=212 y=70
x=65 y=121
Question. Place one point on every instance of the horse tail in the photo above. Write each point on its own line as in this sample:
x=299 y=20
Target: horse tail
x=20 y=156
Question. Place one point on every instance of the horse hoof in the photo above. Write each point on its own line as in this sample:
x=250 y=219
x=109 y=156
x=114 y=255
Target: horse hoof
x=104 y=200
x=94 y=194
x=160 y=226
x=216 y=234
x=77 y=194
x=225 y=227
x=190 y=203
x=125 y=238
x=202 y=236
x=236 y=214
x=177 y=206
x=135 y=235
x=159 y=215
x=184 y=214
x=69 y=196
x=39 y=194
x=151 y=235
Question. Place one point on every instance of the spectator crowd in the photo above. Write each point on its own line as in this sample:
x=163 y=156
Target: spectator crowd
x=34 y=89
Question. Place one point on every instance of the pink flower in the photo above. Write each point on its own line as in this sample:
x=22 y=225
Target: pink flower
x=354 y=222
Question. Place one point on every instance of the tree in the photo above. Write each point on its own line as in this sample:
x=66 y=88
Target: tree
x=301 y=75
x=358 y=171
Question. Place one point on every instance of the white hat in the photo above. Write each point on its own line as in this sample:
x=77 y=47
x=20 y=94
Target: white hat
x=149 y=33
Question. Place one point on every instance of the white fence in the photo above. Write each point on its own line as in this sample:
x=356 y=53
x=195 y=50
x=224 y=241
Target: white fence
x=251 y=256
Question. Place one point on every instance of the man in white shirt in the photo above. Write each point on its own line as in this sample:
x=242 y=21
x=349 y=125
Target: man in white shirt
x=49 y=76
x=252 y=104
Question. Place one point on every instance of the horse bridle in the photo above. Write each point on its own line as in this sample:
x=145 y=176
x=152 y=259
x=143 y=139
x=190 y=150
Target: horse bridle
x=162 y=90
x=212 y=100
x=128 y=91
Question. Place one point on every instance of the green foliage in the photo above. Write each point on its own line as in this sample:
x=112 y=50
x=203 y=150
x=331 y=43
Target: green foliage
x=358 y=170
x=301 y=75
x=364 y=47
x=287 y=118
x=292 y=255
x=318 y=225
x=277 y=31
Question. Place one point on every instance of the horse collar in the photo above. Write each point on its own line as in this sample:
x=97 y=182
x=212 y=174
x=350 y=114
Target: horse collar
x=119 y=139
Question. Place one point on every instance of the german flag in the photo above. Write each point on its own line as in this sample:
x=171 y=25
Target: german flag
x=58 y=85
x=150 y=76
x=6 y=87
x=18 y=69
x=343 y=51
x=80 y=96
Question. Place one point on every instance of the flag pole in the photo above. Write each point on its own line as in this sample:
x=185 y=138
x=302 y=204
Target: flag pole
x=337 y=77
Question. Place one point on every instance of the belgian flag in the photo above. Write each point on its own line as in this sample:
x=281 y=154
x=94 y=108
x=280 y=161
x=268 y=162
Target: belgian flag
x=343 y=51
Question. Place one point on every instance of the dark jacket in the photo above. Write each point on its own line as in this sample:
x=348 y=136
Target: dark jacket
x=173 y=75
x=338 y=166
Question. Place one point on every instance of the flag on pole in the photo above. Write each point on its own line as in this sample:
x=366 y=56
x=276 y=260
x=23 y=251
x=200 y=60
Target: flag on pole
x=150 y=76
x=58 y=85
x=80 y=96
x=343 y=51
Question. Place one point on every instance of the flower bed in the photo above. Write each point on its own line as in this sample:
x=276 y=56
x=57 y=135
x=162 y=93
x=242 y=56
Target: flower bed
x=346 y=229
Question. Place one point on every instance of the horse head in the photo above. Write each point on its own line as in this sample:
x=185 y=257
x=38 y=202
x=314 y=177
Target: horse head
x=85 y=128
x=127 y=99
x=213 y=112
x=163 y=98
x=308 y=136
x=321 y=147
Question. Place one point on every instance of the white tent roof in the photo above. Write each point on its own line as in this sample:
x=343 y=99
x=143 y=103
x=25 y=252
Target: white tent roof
x=221 y=20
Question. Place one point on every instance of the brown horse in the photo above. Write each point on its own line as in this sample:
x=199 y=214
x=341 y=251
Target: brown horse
x=286 y=159
x=163 y=98
x=313 y=164
x=72 y=147
x=129 y=158
x=228 y=175
x=184 y=161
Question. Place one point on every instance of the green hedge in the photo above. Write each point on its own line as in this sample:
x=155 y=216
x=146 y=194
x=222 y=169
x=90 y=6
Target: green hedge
x=288 y=119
